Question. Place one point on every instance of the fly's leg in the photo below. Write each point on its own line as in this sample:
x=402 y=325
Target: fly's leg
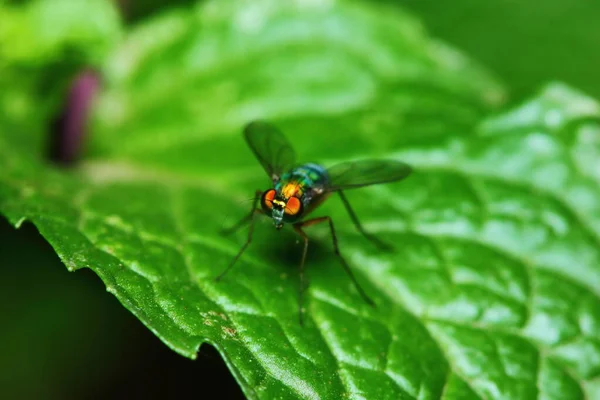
x=303 y=283
x=376 y=241
x=298 y=228
x=247 y=219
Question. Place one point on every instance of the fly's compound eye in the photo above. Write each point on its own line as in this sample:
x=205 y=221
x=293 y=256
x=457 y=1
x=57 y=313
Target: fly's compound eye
x=293 y=206
x=267 y=200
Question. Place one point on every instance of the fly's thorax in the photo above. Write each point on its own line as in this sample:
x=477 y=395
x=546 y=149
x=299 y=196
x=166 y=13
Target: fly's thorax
x=307 y=175
x=290 y=188
x=302 y=181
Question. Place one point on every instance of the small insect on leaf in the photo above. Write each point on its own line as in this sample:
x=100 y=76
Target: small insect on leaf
x=298 y=189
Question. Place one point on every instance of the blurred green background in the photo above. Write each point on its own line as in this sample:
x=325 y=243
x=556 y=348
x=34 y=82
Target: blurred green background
x=64 y=337
x=526 y=43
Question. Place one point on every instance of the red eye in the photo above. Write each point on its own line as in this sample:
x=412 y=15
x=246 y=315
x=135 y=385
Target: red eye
x=293 y=206
x=268 y=197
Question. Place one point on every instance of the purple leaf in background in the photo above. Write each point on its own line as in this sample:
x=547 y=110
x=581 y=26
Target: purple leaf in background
x=69 y=129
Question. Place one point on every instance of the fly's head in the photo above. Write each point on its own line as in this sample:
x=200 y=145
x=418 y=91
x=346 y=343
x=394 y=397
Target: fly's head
x=280 y=209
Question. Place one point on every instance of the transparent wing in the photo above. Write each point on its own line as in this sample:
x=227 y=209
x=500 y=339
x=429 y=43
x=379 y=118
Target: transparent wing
x=270 y=147
x=355 y=174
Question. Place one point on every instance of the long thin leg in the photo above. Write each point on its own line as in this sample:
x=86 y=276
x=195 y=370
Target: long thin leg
x=378 y=242
x=249 y=218
x=298 y=228
x=303 y=283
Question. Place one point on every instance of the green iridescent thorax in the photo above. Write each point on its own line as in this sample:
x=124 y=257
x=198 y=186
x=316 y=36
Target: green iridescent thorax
x=299 y=180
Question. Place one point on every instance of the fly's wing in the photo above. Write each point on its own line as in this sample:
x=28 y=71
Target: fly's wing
x=270 y=147
x=354 y=174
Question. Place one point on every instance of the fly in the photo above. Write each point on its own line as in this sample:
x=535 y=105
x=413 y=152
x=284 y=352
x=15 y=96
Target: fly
x=300 y=188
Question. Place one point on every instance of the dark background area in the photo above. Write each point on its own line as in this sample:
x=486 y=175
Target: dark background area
x=65 y=337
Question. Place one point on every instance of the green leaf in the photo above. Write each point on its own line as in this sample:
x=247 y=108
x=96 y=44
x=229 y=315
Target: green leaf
x=493 y=288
